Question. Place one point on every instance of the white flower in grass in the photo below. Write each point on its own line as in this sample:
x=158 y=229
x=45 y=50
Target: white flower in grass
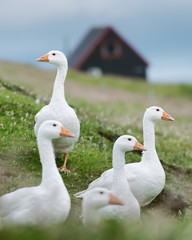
x=37 y=101
x=129 y=131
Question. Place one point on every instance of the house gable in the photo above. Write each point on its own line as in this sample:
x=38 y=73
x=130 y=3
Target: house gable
x=105 y=49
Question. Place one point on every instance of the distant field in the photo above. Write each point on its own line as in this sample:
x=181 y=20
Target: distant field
x=111 y=106
x=32 y=78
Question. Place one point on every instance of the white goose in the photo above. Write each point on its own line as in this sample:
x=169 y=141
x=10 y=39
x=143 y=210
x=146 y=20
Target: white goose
x=146 y=178
x=120 y=187
x=58 y=109
x=44 y=204
x=93 y=201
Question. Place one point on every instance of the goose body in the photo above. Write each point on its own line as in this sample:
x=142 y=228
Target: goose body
x=47 y=203
x=146 y=178
x=58 y=108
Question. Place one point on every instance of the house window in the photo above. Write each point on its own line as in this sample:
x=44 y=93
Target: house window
x=111 y=50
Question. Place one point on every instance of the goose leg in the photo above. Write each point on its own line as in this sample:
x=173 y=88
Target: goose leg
x=63 y=168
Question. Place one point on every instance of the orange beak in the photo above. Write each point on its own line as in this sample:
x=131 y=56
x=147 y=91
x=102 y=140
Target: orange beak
x=167 y=117
x=66 y=133
x=138 y=146
x=44 y=58
x=115 y=200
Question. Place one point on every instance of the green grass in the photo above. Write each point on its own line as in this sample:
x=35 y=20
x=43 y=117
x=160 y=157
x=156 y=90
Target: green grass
x=92 y=155
x=37 y=80
x=174 y=230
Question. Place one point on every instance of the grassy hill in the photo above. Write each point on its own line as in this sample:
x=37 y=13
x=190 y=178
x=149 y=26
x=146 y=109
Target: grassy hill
x=107 y=107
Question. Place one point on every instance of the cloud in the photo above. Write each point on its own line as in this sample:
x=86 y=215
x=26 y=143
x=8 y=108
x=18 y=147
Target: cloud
x=26 y=13
x=22 y=13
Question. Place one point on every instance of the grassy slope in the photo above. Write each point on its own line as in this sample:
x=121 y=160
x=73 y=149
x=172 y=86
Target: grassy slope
x=131 y=85
x=29 y=76
x=20 y=161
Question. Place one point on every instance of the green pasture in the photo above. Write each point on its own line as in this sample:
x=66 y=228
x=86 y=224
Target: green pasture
x=168 y=217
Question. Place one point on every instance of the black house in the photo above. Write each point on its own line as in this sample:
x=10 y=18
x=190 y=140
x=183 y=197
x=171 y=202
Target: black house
x=104 y=49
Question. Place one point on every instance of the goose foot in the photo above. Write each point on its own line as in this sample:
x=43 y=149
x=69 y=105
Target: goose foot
x=64 y=169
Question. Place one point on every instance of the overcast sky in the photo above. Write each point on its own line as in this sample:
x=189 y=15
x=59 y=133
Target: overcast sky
x=161 y=31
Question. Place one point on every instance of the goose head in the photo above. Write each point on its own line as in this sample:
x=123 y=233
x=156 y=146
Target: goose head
x=52 y=129
x=100 y=197
x=54 y=57
x=127 y=143
x=157 y=113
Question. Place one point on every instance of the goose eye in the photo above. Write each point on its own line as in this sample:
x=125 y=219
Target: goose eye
x=101 y=192
x=53 y=54
x=54 y=125
x=129 y=139
x=157 y=109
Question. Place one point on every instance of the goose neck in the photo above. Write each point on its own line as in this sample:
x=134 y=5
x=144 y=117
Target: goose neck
x=59 y=89
x=90 y=213
x=149 y=134
x=50 y=173
x=150 y=155
x=120 y=185
x=118 y=163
